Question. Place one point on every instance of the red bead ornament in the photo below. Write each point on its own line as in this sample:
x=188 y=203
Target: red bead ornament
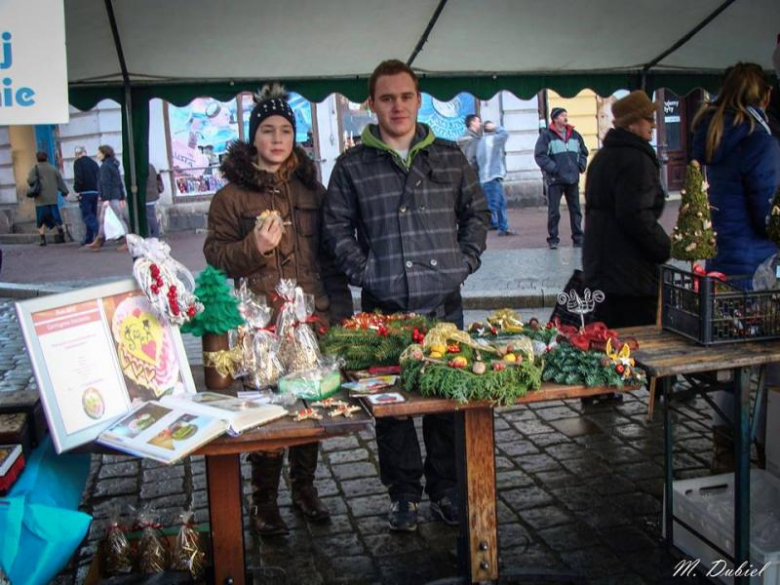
x=191 y=311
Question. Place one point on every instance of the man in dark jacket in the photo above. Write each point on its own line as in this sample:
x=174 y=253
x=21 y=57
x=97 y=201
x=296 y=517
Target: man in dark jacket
x=562 y=155
x=85 y=184
x=407 y=222
x=624 y=243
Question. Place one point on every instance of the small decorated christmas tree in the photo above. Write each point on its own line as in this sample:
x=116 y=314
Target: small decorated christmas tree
x=693 y=237
x=220 y=313
x=773 y=229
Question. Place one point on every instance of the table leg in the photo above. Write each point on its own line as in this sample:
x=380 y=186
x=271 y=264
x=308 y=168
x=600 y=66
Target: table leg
x=742 y=469
x=477 y=474
x=666 y=392
x=227 y=531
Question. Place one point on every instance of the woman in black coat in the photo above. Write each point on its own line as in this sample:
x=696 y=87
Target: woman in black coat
x=112 y=194
x=624 y=243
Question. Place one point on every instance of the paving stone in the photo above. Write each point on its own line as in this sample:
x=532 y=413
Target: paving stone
x=113 y=506
x=337 y=524
x=337 y=457
x=377 y=524
x=395 y=570
x=435 y=532
x=393 y=544
x=508 y=435
x=532 y=427
x=363 y=487
x=555 y=413
x=566 y=451
x=352 y=570
x=535 y=463
x=163 y=474
x=354 y=470
x=639 y=471
x=344 y=544
x=546 y=439
x=504 y=513
x=340 y=444
x=530 y=497
x=512 y=479
x=603 y=517
x=370 y=505
x=636 y=504
x=538 y=557
x=503 y=463
x=586 y=467
x=513 y=535
x=576 y=498
x=519 y=414
x=593 y=562
x=519 y=447
x=171 y=505
x=545 y=517
x=611 y=484
x=606 y=420
x=557 y=479
x=499 y=424
x=575 y=427
x=612 y=454
x=625 y=539
x=568 y=537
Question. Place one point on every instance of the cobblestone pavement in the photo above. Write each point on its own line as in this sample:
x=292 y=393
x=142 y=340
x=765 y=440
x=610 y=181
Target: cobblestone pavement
x=579 y=491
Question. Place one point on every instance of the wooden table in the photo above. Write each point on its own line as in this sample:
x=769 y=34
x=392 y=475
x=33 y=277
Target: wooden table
x=223 y=472
x=665 y=355
x=475 y=445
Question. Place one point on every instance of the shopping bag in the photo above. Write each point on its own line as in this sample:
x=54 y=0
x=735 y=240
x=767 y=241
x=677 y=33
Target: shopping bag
x=112 y=225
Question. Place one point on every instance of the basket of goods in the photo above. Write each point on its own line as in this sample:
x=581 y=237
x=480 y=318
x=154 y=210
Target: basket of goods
x=710 y=308
x=374 y=339
x=450 y=364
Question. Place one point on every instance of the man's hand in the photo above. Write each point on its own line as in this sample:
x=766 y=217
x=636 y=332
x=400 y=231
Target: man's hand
x=267 y=236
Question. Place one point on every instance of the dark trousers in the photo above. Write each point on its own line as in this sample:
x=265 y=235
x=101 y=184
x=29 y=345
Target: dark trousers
x=572 y=194
x=621 y=311
x=400 y=460
x=153 y=227
x=88 y=203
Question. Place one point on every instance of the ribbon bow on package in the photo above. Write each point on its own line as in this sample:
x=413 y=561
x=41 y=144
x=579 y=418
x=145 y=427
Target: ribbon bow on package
x=167 y=284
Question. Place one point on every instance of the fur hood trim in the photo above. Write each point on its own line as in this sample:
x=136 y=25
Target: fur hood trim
x=238 y=168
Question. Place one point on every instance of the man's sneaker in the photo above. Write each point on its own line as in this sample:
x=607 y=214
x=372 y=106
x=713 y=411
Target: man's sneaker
x=553 y=245
x=447 y=510
x=403 y=516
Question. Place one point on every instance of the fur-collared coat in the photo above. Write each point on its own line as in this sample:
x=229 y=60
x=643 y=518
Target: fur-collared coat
x=230 y=244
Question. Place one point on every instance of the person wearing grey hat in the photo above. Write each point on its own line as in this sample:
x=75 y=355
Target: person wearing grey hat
x=562 y=155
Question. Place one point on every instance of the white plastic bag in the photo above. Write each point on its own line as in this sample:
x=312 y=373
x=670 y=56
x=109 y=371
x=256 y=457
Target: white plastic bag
x=112 y=225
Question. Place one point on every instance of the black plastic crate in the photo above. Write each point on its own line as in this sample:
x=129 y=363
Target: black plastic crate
x=710 y=311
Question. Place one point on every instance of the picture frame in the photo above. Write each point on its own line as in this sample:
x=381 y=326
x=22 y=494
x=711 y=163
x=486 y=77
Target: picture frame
x=97 y=353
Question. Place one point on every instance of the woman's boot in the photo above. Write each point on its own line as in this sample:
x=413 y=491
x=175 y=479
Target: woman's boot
x=43 y=240
x=266 y=472
x=96 y=244
x=303 y=464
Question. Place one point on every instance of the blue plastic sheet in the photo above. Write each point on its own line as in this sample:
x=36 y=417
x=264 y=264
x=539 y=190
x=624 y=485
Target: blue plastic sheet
x=40 y=526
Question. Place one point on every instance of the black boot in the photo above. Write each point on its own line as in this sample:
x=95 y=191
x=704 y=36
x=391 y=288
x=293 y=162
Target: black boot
x=43 y=240
x=266 y=472
x=303 y=464
x=60 y=237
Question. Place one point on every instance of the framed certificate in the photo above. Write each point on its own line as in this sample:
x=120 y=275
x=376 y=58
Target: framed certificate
x=96 y=353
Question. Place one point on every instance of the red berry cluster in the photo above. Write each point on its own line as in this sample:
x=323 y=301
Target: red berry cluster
x=158 y=281
x=418 y=336
x=382 y=331
x=173 y=301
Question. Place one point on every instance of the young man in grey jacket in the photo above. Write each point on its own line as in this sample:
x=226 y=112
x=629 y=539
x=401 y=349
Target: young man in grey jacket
x=407 y=223
x=492 y=170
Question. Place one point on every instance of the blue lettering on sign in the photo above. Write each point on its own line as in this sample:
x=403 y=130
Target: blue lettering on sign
x=9 y=97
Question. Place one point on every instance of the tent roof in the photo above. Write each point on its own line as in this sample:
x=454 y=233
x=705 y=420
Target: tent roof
x=183 y=48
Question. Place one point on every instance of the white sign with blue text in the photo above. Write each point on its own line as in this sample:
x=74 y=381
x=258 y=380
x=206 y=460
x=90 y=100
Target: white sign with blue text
x=33 y=63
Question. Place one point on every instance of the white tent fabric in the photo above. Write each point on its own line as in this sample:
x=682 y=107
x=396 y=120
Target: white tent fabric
x=204 y=40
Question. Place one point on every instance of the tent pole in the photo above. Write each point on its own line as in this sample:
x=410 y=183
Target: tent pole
x=685 y=38
x=426 y=32
x=131 y=148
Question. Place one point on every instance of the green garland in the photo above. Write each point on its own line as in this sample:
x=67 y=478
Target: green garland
x=363 y=348
x=573 y=367
x=503 y=387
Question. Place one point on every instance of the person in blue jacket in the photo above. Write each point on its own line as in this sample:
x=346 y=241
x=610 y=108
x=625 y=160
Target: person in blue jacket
x=733 y=140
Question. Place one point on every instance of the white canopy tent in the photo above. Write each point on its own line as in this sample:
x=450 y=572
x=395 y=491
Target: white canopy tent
x=135 y=50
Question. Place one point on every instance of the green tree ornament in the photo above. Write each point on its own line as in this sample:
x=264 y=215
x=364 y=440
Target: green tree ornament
x=693 y=237
x=220 y=313
x=773 y=229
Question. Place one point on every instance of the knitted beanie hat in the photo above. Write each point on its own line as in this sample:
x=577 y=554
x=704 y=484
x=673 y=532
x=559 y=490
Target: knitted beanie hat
x=270 y=101
x=631 y=108
x=556 y=112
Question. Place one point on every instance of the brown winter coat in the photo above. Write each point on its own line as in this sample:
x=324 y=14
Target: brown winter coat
x=230 y=244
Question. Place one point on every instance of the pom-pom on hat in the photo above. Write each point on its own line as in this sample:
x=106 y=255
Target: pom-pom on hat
x=556 y=112
x=270 y=101
x=631 y=108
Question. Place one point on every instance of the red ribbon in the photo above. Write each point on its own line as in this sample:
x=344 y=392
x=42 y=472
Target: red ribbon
x=699 y=271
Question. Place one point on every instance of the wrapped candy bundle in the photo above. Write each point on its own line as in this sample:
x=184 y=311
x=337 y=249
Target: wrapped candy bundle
x=267 y=368
x=299 y=349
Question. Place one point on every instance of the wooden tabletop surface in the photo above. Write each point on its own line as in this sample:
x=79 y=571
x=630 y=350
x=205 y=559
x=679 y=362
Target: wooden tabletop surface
x=663 y=353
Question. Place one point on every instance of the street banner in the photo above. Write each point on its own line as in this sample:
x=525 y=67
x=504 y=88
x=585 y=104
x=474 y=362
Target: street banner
x=33 y=64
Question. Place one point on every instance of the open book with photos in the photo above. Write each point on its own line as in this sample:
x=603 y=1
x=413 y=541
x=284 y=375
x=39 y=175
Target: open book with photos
x=174 y=427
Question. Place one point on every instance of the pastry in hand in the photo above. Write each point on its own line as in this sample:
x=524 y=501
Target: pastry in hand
x=269 y=215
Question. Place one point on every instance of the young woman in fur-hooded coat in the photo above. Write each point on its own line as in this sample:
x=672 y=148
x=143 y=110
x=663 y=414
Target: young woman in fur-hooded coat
x=270 y=173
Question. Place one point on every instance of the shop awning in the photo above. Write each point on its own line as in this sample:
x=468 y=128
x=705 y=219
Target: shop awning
x=180 y=49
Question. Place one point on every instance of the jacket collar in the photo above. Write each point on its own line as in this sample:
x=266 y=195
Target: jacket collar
x=423 y=138
x=239 y=167
x=620 y=137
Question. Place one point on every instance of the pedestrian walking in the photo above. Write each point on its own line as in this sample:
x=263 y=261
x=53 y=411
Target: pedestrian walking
x=154 y=186
x=112 y=195
x=85 y=183
x=492 y=170
x=562 y=155
x=47 y=212
x=407 y=222
x=272 y=173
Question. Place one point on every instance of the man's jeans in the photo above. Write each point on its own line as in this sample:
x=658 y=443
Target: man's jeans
x=88 y=203
x=494 y=193
x=572 y=194
x=400 y=459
